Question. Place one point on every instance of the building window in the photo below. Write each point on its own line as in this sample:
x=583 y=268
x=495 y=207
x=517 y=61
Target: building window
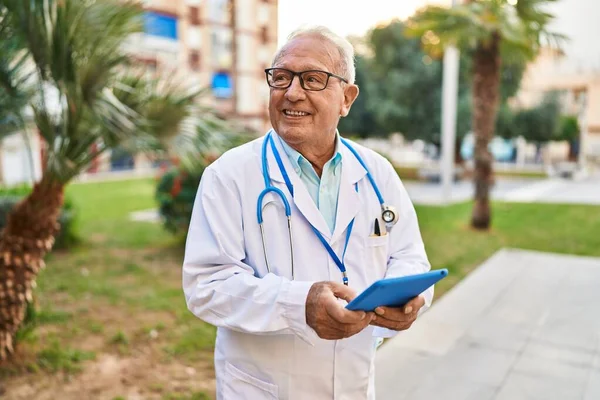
x=194 y=15
x=264 y=34
x=195 y=60
x=222 y=46
x=222 y=84
x=161 y=25
x=219 y=11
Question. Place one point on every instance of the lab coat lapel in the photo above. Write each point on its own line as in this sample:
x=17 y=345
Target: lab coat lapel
x=349 y=203
x=302 y=198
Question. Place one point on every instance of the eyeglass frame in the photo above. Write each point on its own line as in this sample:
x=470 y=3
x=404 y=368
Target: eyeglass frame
x=299 y=75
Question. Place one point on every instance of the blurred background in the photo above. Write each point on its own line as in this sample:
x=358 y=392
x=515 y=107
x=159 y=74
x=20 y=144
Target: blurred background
x=111 y=110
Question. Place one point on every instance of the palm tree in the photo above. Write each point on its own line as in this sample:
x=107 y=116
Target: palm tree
x=489 y=30
x=64 y=71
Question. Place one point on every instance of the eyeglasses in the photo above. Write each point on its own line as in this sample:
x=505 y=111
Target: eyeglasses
x=314 y=80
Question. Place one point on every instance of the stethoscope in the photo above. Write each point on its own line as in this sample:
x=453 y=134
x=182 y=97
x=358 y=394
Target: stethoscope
x=389 y=215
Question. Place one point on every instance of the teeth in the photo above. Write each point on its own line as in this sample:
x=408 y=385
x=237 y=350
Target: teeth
x=295 y=113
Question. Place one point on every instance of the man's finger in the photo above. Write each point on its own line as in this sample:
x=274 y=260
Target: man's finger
x=341 y=314
x=343 y=292
x=393 y=314
x=396 y=326
x=414 y=304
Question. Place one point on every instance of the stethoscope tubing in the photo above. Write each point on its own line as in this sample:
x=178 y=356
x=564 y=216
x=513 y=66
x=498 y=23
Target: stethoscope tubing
x=269 y=188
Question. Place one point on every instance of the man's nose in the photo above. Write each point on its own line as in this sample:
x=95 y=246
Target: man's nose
x=295 y=92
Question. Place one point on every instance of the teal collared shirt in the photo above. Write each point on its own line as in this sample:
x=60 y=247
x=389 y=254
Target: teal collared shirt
x=325 y=190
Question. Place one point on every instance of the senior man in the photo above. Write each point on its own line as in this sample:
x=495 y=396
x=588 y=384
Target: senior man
x=287 y=228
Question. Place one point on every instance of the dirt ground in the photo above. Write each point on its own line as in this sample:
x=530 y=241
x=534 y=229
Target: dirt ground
x=138 y=368
x=112 y=376
x=142 y=371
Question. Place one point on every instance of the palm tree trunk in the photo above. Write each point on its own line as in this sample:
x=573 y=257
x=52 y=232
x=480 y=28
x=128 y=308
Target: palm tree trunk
x=25 y=240
x=486 y=85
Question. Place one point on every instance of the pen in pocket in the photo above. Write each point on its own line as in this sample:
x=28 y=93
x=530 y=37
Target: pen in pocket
x=376 y=229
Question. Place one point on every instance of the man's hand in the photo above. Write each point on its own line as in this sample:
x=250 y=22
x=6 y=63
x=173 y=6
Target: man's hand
x=398 y=319
x=330 y=319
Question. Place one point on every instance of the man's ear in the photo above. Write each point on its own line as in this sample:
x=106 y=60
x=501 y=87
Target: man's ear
x=350 y=94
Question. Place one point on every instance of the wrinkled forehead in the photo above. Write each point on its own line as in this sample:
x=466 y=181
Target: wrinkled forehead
x=308 y=52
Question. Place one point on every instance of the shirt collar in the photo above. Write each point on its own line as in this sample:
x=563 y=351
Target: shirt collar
x=296 y=158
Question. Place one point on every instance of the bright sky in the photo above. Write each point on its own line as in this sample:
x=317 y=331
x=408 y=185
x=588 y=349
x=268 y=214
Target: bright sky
x=344 y=17
x=576 y=18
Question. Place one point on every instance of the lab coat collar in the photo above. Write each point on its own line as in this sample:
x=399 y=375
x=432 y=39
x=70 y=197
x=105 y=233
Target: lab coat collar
x=349 y=203
x=354 y=171
x=302 y=198
x=348 y=199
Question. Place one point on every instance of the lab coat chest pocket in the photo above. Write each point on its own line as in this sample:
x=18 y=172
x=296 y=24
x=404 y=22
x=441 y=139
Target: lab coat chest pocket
x=241 y=385
x=377 y=249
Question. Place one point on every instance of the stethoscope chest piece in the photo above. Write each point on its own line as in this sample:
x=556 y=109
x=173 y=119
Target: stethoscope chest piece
x=389 y=215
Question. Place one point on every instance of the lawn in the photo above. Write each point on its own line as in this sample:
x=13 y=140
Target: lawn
x=112 y=323
x=111 y=320
x=450 y=243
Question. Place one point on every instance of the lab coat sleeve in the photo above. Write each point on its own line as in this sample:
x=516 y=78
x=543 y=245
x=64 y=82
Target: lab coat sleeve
x=407 y=251
x=219 y=287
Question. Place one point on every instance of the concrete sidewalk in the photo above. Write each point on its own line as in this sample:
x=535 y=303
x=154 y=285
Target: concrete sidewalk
x=524 y=325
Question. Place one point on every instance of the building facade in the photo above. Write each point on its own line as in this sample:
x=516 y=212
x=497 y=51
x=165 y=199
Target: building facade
x=224 y=45
x=580 y=97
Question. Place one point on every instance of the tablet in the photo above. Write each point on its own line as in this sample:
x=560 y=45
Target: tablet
x=395 y=292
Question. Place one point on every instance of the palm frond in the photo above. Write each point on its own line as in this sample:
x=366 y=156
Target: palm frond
x=461 y=26
x=523 y=28
x=84 y=96
x=15 y=79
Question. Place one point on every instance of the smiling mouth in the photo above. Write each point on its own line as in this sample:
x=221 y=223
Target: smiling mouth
x=291 y=113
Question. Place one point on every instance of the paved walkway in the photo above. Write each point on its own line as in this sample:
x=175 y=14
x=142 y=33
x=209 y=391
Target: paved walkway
x=555 y=190
x=524 y=325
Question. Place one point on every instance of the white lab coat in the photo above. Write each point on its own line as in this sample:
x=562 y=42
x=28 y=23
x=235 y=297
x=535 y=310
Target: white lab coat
x=264 y=348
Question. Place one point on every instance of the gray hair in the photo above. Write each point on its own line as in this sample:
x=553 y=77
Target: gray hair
x=346 y=51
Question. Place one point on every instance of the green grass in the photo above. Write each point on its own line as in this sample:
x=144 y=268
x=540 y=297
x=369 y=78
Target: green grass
x=104 y=209
x=191 y=340
x=450 y=243
x=521 y=174
x=119 y=338
x=412 y=174
x=193 y=396
x=56 y=358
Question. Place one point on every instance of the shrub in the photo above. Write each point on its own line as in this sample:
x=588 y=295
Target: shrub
x=175 y=195
x=65 y=238
x=177 y=187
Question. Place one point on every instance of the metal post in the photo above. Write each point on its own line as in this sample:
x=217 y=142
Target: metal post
x=449 y=100
x=448 y=128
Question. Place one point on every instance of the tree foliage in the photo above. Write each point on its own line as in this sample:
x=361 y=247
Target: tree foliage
x=568 y=128
x=361 y=119
x=537 y=124
x=401 y=88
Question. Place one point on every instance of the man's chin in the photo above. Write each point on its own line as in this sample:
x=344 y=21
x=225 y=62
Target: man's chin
x=294 y=135
x=292 y=131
